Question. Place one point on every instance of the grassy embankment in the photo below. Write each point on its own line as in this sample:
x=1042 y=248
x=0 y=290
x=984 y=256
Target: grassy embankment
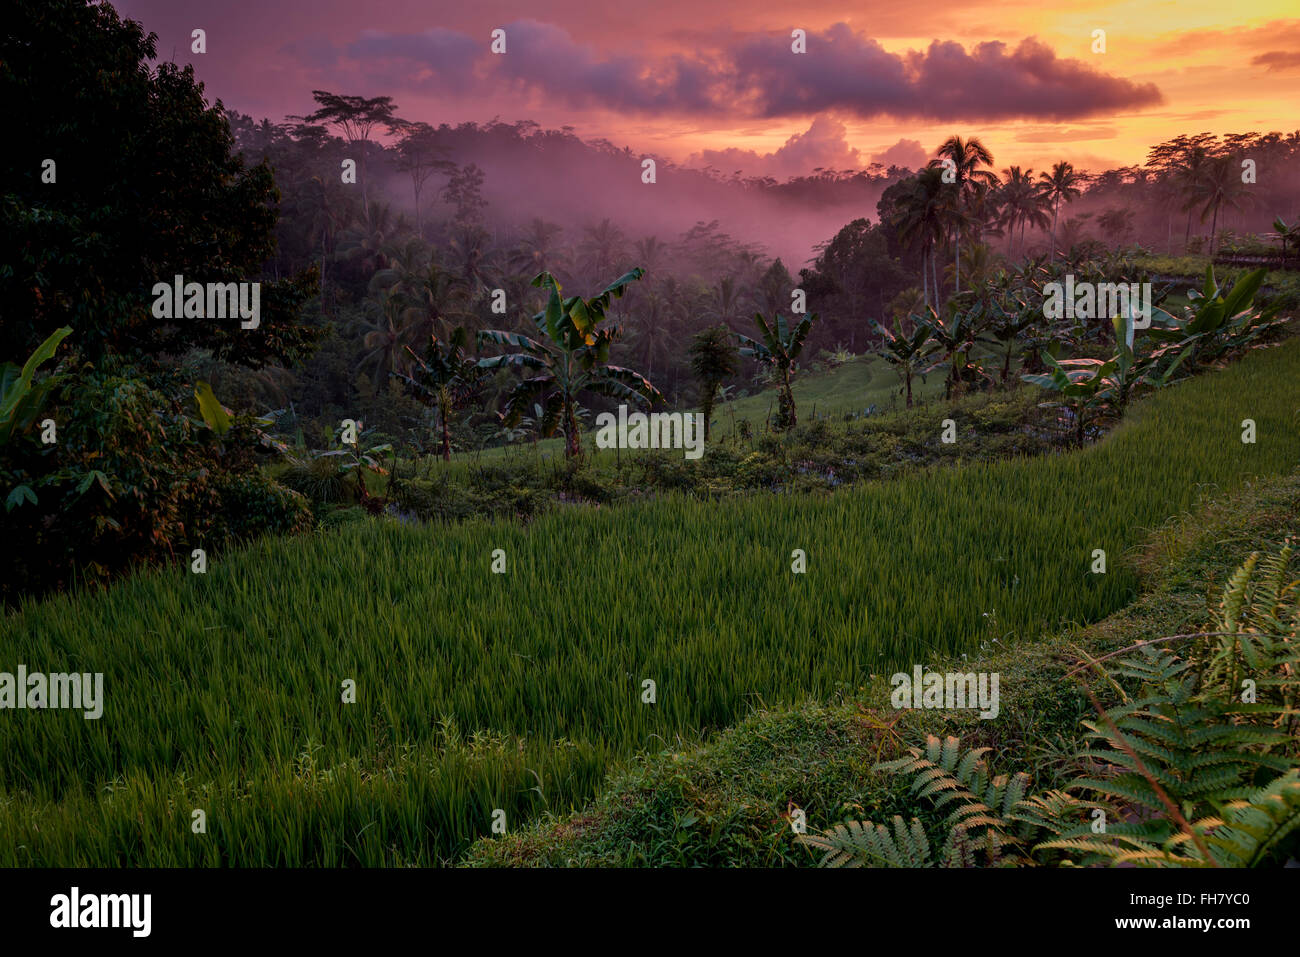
x=520 y=691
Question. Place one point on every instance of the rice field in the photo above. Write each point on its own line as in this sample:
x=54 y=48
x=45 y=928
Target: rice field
x=478 y=692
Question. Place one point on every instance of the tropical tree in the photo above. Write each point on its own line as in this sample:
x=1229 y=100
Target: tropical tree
x=713 y=360
x=1062 y=184
x=356 y=117
x=957 y=336
x=779 y=350
x=905 y=353
x=538 y=247
x=963 y=161
x=446 y=378
x=1285 y=233
x=570 y=355
x=922 y=216
x=1219 y=185
x=421 y=154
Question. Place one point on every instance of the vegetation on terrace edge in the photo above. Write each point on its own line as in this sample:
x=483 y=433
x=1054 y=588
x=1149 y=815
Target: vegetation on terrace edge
x=731 y=802
x=550 y=702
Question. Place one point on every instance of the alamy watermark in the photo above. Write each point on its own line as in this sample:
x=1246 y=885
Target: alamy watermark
x=36 y=691
x=657 y=430
x=948 y=691
x=215 y=300
x=1102 y=300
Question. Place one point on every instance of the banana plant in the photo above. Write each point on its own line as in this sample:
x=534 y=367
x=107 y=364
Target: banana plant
x=957 y=336
x=1217 y=321
x=1081 y=383
x=905 y=353
x=570 y=355
x=20 y=397
x=445 y=378
x=779 y=351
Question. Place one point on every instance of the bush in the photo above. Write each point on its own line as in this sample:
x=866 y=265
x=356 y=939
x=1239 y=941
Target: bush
x=131 y=479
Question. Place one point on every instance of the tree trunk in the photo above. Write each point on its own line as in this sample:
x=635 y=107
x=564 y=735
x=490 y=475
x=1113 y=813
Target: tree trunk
x=572 y=446
x=925 y=278
x=446 y=437
x=1056 y=211
x=908 y=379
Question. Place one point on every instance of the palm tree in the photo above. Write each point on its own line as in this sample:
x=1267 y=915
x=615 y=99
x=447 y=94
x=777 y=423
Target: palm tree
x=570 y=355
x=369 y=239
x=1022 y=203
x=384 y=329
x=922 y=217
x=724 y=301
x=1061 y=185
x=1219 y=185
x=1187 y=172
x=780 y=350
x=471 y=259
x=602 y=248
x=966 y=156
x=539 y=244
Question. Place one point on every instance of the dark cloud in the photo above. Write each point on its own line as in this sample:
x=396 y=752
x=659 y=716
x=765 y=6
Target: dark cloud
x=843 y=72
x=446 y=58
x=1277 y=60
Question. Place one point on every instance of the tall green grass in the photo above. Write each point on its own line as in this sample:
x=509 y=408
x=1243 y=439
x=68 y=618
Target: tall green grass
x=223 y=691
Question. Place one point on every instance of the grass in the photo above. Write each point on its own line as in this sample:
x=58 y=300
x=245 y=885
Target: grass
x=520 y=691
x=853 y=386
x=728 y=802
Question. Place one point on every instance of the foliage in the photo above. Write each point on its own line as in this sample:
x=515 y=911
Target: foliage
x=779 y=351
x=713 y=362
x=131 y=480
x=446 y=378
x=571 y=356
x=147 y=187
x=883 y=552
x=1188 y=770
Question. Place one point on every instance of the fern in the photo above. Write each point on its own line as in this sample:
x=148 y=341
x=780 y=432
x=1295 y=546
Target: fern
x=1188 y=772
x=991 y=818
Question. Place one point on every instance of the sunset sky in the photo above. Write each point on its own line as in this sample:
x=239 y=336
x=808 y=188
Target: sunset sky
x=716 y=82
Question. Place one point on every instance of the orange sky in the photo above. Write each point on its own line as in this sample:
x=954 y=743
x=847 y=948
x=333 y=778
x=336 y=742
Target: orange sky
x=685 y=77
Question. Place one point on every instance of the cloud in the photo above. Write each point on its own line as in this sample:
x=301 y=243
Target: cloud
x=905 y=153
x=850 y=72
x=446 y=57
x=1069 y=135
x=758 y=76
x=1277 y=61
x=824 y=145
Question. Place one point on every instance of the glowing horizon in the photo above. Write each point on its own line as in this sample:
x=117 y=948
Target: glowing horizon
x=718 y=85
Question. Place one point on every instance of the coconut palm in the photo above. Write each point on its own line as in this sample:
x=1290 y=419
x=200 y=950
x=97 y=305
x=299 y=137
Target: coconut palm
x=922 y=216
x=1062 y=184
x=384 y=328
x=1022 y=204
x=602 y=248
x=966 y=158
x=1218 y=185
x=538 y=247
